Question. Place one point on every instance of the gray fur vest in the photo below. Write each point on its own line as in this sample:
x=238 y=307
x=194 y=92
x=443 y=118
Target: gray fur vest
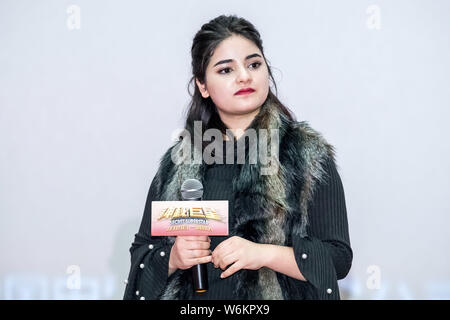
x=269 y=208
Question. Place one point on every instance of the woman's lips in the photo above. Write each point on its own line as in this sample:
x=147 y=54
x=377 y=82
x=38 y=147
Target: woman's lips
x=245 y=92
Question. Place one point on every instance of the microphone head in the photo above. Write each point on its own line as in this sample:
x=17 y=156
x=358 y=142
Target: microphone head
x=191 y=189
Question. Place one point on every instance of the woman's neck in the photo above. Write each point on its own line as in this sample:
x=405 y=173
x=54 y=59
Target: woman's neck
x=237 y=124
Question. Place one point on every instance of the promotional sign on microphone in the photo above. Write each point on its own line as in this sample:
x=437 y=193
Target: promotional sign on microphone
x=190 y=218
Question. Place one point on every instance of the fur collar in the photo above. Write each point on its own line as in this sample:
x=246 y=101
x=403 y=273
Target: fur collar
x=268 y=207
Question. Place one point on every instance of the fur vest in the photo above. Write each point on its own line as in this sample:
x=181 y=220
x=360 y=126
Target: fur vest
x=269 y=208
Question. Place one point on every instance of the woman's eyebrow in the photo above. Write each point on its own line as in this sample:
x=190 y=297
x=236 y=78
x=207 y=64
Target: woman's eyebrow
x=231 y=60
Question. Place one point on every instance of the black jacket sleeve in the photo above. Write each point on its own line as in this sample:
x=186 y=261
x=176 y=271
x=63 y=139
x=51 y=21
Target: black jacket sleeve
x=149 y=259
x=325 y=255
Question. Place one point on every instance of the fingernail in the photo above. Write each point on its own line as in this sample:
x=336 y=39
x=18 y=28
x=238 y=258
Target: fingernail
x=221 y=275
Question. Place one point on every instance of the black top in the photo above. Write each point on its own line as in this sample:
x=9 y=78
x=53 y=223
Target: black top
x=327 y=225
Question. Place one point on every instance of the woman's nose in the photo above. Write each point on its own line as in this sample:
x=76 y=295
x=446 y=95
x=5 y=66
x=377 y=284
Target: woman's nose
x=243 y=75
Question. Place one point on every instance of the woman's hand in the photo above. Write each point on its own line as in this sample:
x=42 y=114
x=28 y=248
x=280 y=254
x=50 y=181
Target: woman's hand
x=188 y=251
x=241 y=253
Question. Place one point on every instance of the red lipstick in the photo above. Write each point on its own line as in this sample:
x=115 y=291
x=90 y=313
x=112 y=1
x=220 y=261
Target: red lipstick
x=245 y=91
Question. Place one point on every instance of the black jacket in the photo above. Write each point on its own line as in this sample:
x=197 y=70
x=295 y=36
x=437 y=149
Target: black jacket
x=301 y=205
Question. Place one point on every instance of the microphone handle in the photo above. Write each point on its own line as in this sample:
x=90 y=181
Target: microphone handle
x=200 y=278
x=200 y=274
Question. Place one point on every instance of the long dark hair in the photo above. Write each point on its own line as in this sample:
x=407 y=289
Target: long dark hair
x=205 y=41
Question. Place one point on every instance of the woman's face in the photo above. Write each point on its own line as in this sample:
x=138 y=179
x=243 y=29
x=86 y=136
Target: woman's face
x=236 y=63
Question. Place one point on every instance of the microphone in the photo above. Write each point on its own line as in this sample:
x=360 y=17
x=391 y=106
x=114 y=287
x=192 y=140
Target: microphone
x=192 y=190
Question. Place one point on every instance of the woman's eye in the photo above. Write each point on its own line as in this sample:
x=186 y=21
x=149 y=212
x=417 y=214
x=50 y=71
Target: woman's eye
x=220 y=71
x=255 y=64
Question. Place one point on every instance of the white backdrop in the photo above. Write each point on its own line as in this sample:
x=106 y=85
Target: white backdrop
x=91 y=91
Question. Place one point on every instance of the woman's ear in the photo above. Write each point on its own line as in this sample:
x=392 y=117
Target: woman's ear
x=202 y=88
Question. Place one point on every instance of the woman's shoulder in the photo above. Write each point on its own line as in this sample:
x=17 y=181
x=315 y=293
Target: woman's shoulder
x=175 y=153
x=310 y=142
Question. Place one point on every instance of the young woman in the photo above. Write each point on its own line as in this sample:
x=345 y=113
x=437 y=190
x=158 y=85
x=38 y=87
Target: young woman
x=288 y=228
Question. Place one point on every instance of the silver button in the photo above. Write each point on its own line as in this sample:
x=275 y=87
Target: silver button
x=142 y=298
x=329 y=291
x=141 y=266
x=150 y=246
x=162 y=253
x=137 y=292
x=125 y=281
x=304 y=256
